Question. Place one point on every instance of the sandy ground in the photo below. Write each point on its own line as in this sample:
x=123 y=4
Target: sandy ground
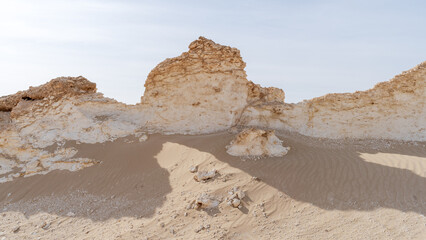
x=320 y=190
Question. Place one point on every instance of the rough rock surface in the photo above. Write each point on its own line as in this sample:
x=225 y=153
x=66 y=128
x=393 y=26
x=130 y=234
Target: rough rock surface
x=391 y=110
x=257 y=143
x=205 y=175
x=235 y=196
x=55 y=89
x=206 y=201
x=202 y=90
x=63 y=109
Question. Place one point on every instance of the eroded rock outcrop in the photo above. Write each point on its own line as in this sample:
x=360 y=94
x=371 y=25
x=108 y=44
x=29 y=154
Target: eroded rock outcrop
x=257 y=143
x=55 y=89
x=63 y=109
x=391 y=110
x=202 y=90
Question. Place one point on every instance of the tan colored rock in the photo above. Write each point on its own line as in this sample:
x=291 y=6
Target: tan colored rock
x=235 y=195
x=265 y=95
x=55 y=89
x=202 y=90
x=206 y=201
x=257 y=143
x=205 y=175
x=390 y=110
x=193 y=169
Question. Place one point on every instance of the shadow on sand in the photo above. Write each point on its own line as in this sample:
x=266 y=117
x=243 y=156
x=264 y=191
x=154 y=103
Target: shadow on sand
x=130 y=182
x=334 y=179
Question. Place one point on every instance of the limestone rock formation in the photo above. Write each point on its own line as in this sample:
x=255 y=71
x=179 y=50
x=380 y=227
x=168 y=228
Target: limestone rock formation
x=391 y=110
x=202 y=90
x=54 y=89
x=257 y=143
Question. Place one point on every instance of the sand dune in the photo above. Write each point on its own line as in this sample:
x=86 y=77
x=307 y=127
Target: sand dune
x=320 y=189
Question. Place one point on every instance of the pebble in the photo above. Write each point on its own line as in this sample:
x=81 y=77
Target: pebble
x=45 y=226
x=16 y=229
x=70 y=214
x=193 y=169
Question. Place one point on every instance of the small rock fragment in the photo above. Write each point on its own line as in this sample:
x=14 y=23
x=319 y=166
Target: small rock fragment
x=193 y=169
x=235 y=195
x=16 y=229
x=205 y=175
x=45 y=226
x=205 y=201
x=70 y=214
x=236 y=202
x=199 y=228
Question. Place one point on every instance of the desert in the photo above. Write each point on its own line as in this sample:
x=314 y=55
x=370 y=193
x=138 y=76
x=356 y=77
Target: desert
x=209 y=154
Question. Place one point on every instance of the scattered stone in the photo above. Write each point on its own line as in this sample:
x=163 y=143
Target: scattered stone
x=70 y=214
x=236 y=202
x=205 y=175
x=45 y=225
x=234 y=197
x=199 y=228
x=193 y=169
x=204 y=201
x=142 y=137
x=255 y=179
x=16 y=229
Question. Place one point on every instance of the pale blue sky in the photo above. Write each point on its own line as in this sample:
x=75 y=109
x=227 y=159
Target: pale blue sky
x=307 y=48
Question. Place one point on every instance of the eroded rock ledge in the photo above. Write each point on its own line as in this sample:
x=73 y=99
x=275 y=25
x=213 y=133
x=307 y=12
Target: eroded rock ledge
x=56 y=88
x=390 y=110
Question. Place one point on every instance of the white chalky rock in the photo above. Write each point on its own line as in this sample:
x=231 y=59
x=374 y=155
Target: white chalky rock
x=235 y=195
x=256 y=143
x=205 y=175
x=206 y=201
x=193 y=169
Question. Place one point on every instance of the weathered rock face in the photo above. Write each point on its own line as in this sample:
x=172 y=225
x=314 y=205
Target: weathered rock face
x=391 y=110
x=202 y=90
x=55 y=89
x=60 y=110
x=257 y=143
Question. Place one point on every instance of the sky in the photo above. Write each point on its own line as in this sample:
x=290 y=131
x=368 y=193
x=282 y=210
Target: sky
x=307 y=48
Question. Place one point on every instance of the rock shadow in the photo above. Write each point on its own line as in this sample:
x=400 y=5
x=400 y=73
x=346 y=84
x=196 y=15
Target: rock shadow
x=128 y=182
x=327 y=177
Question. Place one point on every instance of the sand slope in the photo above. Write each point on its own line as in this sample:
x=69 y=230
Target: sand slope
x=319 y=190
